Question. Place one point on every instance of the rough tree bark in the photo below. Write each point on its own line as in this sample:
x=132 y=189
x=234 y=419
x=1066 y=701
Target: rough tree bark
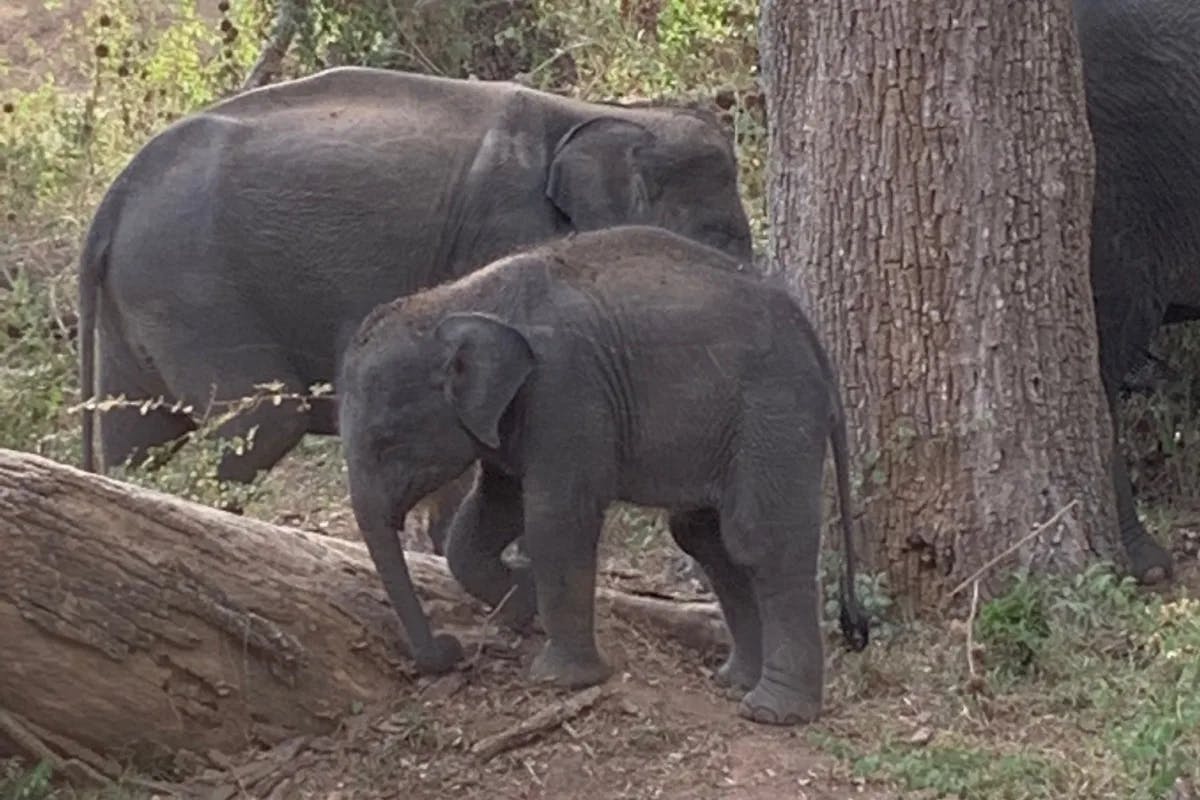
x=134 y=624
x=931 y=179
x=269 y=64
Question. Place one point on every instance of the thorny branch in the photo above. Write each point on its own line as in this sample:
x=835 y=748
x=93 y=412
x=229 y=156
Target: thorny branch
x=1036 y=532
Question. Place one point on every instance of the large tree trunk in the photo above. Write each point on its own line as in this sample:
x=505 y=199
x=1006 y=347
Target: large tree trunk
x=134 y=624
x=931 y=191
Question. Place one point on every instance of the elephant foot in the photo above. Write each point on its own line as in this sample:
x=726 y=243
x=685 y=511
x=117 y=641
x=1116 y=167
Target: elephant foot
x=737 y=675
x=445 y=653
x=772 y=705
x=1149 y=562
x=556 y=666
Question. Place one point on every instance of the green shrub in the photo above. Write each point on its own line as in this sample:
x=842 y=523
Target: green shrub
x=37 y=371
x=33 y=784
x=963 y=772
x=1129 y=663
x=1014 y=627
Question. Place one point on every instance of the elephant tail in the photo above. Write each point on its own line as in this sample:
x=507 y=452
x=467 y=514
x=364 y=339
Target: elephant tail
x=854 y=623
x=93 y=264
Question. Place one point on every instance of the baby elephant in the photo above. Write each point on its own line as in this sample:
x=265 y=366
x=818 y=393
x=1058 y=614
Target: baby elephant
x=624 y=364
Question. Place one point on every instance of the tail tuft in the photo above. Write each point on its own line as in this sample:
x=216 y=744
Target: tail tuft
x=856 y=628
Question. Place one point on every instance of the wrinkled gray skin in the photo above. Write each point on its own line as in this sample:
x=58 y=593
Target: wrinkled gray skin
x=627 y=364
x=1142 y=74
x=245 y=243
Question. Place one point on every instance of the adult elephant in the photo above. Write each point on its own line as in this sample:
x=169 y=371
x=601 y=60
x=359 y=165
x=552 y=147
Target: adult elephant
x=1141 y=62
x=243 y=244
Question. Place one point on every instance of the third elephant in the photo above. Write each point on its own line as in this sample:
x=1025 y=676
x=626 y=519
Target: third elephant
x=1141 y=64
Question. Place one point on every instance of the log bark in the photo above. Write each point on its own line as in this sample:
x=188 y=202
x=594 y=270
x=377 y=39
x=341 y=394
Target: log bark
x=931 y=182
x=134 y=624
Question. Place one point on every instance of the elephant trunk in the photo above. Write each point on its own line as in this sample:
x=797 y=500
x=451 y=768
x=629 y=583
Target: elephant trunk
x=376 y=519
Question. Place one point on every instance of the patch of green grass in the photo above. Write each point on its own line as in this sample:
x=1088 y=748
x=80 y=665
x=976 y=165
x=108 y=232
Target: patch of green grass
x=1014 y=628
x=18 y=781
x=1155 y=712
x=1084 y=687
x=964 y=772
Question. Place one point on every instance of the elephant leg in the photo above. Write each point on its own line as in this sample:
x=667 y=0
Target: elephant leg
x=1126 y=322
x=487 y=521
x=442 y=505
x=562 y=531
x=698 y=534
x=225 y=372
x=771 y=526
x=127 y=436
x=1149 y=561
x=276 y=431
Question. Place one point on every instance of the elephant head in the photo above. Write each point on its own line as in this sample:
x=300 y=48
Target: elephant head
x=417 y=409
x=672 y=168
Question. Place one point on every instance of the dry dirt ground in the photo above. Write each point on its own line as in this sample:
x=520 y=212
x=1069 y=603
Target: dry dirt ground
x=660 y=730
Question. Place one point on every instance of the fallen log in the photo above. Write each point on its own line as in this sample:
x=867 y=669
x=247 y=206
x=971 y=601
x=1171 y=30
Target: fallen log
x=134 y=623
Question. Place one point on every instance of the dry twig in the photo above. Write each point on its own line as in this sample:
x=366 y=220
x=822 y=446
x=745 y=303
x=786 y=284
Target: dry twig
x=530 y=728
x=971 y=629
x=1038 y=531
x=490 y=627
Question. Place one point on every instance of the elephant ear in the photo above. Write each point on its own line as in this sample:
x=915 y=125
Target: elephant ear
x=486 y=361
x=595 y=179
